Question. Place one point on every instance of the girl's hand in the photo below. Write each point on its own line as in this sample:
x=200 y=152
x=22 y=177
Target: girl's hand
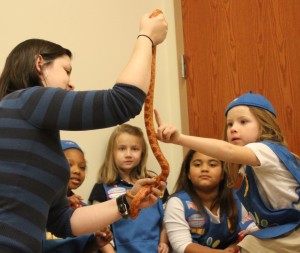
x=166 y=133
x=163 y=247
x=103 y=237
x=75 y=201
x=156 y=28
x=242 y=234
x=245 y=232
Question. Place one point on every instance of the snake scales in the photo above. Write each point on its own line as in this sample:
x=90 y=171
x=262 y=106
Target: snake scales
x=151 y=134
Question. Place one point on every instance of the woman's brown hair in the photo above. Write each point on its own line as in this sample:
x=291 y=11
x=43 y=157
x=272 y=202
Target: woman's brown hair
x=19 y=71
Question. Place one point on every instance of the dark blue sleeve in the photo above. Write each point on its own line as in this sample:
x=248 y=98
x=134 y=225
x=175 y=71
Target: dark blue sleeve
x=98 y=194
x=68 y=245
x=58 y=222
x=58 y=109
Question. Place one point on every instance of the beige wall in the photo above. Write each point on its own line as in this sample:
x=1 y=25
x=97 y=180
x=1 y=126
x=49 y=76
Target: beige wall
x=101 y=35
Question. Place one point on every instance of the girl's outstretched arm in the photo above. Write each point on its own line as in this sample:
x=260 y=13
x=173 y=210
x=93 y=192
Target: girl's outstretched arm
x=219 y=149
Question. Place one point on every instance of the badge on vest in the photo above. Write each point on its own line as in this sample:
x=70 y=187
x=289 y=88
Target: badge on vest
x=115 y=192
x=197 y=223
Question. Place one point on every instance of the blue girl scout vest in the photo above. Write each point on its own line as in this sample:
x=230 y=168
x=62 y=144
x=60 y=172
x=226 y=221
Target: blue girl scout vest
x=205 y=232
x=272 y=222
x=139 y=235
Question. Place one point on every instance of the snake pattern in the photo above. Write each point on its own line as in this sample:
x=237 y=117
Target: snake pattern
x=151 y=134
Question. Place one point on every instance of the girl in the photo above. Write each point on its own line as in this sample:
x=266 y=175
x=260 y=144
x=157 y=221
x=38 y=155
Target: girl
x=37 y=101
x=124 y=164
x=271 y=175
x=88 y=243
x=77 y=163
x=203 y=214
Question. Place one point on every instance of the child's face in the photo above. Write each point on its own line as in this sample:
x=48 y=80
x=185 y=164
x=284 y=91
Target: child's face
x=77 y=167
x=127 y=152
x=205 y=172
x=242 y=126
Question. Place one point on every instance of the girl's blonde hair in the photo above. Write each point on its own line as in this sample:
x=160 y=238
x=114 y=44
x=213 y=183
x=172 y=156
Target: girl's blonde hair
x=269 y=130
x=109 y=172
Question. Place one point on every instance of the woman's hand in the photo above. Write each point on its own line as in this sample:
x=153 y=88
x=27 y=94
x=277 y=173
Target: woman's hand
x=155 y=192
x=156 y=28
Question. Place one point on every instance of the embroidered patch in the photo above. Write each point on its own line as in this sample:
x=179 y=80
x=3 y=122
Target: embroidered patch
x=115 y=192
x=215 y=244
x=264 y=223
x=191 y=205
x=254 y=217
x=209 y=241
x=198 y=231
x=196 y=221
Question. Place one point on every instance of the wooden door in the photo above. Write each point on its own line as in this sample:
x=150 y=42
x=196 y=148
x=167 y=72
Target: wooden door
x=232 y=47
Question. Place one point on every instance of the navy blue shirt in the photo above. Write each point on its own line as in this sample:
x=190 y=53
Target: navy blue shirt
x=33 y=169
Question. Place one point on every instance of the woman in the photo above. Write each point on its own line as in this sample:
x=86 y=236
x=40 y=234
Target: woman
x=37 y=100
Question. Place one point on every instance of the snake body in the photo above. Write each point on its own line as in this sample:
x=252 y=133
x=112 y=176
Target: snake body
x=151 y=134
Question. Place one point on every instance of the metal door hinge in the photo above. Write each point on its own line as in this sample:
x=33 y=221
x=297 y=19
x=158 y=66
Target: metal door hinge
x=183 y=67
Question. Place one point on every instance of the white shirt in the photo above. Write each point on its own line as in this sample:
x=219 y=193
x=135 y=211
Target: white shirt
x=275 y=183
x=178 y=229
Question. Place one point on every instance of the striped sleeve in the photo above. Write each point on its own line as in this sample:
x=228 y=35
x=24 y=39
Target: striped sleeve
x=57 y=109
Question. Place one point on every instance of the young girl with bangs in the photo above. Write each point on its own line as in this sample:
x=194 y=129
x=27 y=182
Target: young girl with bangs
x=124 y=164
x=270 y=172
x=204 y=215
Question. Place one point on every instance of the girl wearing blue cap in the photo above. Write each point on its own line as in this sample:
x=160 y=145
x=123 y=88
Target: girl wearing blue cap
x=270 y=172
x=88 y=243
x=37 y=101
x=77 y=162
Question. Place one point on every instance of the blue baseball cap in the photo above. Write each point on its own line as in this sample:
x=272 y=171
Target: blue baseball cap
x=251 y=99
x=67 y=144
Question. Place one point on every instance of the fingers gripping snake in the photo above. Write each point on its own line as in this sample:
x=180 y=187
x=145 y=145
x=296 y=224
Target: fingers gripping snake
x=151 y=134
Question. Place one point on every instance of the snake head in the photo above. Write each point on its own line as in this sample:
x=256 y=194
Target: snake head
x=155 y=13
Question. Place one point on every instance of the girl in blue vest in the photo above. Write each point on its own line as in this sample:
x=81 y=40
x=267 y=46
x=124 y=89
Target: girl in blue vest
x=88 y=243
x=270 y=172
x=204 y=214
x=125 y=163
